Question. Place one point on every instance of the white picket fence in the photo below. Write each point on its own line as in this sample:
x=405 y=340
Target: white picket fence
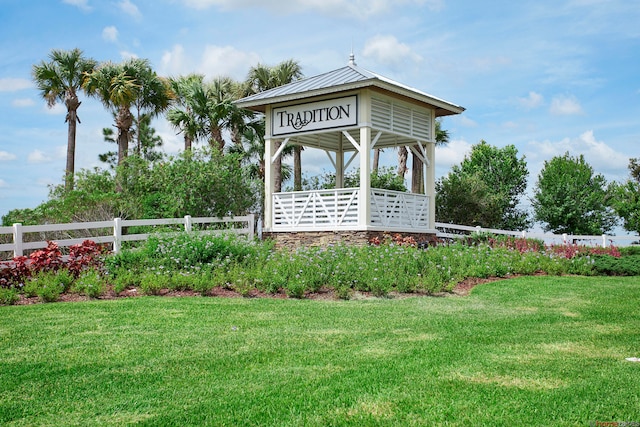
x=454 y=231
x=115 y=226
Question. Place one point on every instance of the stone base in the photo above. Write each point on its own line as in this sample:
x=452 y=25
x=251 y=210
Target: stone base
x=359 y=238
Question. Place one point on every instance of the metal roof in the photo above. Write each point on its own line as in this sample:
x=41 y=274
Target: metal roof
x=340 y=80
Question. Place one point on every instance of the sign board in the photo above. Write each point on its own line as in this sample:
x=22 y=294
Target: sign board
x=328 y=114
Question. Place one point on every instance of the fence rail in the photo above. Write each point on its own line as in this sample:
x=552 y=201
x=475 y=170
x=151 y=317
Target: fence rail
x=454 y=231
x=115 y=229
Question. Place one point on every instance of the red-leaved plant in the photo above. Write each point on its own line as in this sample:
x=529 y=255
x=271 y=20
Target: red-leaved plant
x=82 y=256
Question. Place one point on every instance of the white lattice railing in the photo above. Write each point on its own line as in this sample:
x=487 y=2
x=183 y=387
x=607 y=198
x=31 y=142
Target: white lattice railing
x=317 y=209
x=338 y=209
x=395 y=209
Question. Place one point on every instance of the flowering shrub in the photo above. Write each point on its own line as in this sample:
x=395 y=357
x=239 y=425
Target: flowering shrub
x=396 y=239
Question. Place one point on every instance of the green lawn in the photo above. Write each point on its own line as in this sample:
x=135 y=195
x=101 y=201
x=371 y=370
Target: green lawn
x=527 y=351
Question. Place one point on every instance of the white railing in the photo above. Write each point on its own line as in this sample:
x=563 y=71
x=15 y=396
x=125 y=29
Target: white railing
x=316 y=209
x=338 y=209
x=455 y=231
x=396 y=209
x=115 y=226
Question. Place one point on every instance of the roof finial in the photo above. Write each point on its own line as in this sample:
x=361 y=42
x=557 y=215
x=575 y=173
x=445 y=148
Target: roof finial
x=352 y=58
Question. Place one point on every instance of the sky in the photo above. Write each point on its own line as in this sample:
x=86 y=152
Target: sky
x=548 y=76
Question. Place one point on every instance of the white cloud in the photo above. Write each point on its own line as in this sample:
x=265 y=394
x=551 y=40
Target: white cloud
x=598 y=154
x=565 y=105
x=128 y=55
x=465 y=121
x=214 y=61
x=226 y=61
x=453 y=153
x=533 y=100
x=13 y=85
x=110 y=34
x=388 y=50
x=130 y=9
x=82 y=4
x=5 y=156
x=37 y=157
x=3 y=184
x=350 y=8
x=174 y=62
x=56 y=110
x=23 y=102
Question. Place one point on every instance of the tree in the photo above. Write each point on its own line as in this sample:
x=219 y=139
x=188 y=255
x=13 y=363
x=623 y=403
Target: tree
x=467 y=199
x=120 y=87
x=153 y=97
x=570 y=198
x=205 y=110
x=117 y=90
x=197 y=183
x=261 y=78
x=59 y=80
x=182 y=116
x=490 y=179
x=625 y=198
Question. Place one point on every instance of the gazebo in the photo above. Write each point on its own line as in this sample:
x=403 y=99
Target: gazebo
x=348 y=113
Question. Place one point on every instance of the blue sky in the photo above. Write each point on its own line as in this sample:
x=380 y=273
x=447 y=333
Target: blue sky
x=546 y=76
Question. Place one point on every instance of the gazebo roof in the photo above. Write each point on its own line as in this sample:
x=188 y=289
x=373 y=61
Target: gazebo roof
x=344 y=79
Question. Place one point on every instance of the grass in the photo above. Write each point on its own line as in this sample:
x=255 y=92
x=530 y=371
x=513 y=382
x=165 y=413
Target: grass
x=526 y=351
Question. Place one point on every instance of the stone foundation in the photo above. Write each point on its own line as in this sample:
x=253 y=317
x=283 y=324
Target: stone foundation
x=326 y=238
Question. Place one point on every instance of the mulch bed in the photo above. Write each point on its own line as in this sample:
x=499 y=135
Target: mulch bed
x=461 y=289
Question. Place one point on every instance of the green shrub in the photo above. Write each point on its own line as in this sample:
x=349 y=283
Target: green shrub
x=152 y=283
x=630 y=250
x=625 y=266
x=9 y=296
x=124 y=279
x=48 y=286
x=90 y=283
x=127 y=259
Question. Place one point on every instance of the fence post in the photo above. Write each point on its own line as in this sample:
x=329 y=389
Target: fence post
x=252 y=226
x=188 y=225
x=604 y=240
x=117 y=235
x=17 y=240
x=524 y=234
x=564 y=238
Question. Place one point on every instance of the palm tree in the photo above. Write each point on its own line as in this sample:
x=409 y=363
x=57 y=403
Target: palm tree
x=59 y=80
x=206 y=110
x=261 y=78
x=153 y=98
x=117 y=90
x=188 y=90
x=129 y=84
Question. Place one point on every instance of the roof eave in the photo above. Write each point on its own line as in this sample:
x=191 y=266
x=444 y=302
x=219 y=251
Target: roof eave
x=442 y=107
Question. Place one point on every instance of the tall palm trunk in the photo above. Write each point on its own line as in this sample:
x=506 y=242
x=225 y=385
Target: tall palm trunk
x=417 y=176
x=187 y=143
x=124 y=121
x=402 y=161
x=376 y=159
x=72 y=103
x=216 y=140
x=277 y=166
x=297 y=168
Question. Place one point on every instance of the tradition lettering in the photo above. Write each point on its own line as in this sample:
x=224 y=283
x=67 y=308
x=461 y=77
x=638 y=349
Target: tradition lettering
x=302 y=118
x=316 y=115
